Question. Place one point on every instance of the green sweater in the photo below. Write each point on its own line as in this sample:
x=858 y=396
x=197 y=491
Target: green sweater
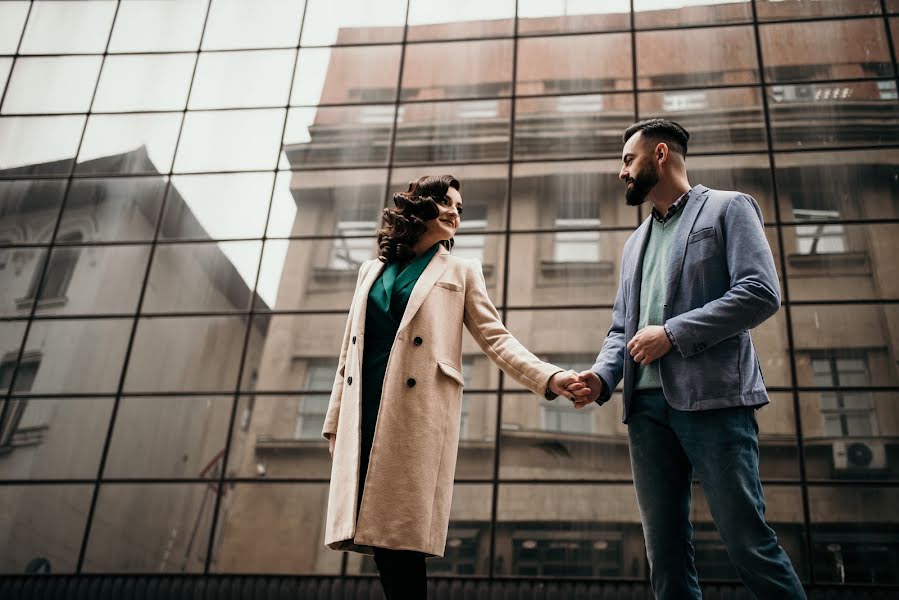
x=652 y=290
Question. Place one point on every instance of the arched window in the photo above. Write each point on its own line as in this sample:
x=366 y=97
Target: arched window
x=59 y=272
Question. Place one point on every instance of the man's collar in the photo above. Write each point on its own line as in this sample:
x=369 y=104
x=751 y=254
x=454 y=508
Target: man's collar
x=672 y=210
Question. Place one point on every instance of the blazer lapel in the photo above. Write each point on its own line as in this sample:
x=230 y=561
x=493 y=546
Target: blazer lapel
x=424 y=284
x=679 y=244
x=633 y=300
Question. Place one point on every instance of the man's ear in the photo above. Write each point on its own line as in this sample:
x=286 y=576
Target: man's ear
x=661 y=153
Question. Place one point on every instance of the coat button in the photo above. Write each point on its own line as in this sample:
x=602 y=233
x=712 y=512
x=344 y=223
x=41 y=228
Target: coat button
x=410 y=382
x=349 y=381
x=354 y=339
x=418 y=341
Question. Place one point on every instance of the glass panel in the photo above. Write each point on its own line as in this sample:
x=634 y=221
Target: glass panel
x=274 y=528
x=560 y=16
x=5 y=68
x=68 y=27
x=90 y=279
x=560 y=194
x=892 y=6
x=855 y=48
x=11 y=334
x=202 y=277
x=453 y=131
x=434 y=19
x=133 y=144
x=28 y=212
x=676 y=13
x=12 y=22
x=231 y=205
x=569 y=531
x=39 y=145
x=571 y=126
x=242 y=79
x=331 y=136
x=483 y=189
x=770 y=342
x=159 y=82
x=173 y=528
x=778 y=9
x=186 y=353
x=457 y=70
x=567 y=64
x=262 y=24
x=748 y=173
x=778 y=447
x=62 y=84
x=117 y=209
x=855 y=535
x=840 y=262
x=153 y=26
x=353 y=22
x=59 y=438
x=42 y=527
x=672 y=59
x=866 y=332
x=894 y=32
x=230 y=140
x=340 y=75
x=834 y=114
x=78 y=356
x=838 y=185
x=722 y=120
x=169 y=437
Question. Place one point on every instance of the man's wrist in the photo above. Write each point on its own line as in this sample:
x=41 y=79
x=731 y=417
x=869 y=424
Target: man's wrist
x=671 y=337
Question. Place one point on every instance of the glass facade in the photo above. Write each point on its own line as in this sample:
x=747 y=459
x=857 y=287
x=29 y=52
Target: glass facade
x=187 y=190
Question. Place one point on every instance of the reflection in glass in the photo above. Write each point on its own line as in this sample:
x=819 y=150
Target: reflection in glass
x=68 y=27
x=855 y=48
x=152 y=26
x=262 y=24
x=134 y=144
x=778 y=446
x=42 y=527
x=721 y=56
x=53 y=438
x=283 y=526
x=350 y=74
x=242 y=79
x=855 y=536
x=719 y=120
x=648 y=14
x=61 y=84
x=777 y=9
x=458 y=70
x=77 y=356
x=12 y=23
x=557 y=16
x=337 y=135
x=435 y=19
x=118 y=209
x=28 y=210
x=351 y=22
x=571 y=126
x=230 y=140
x=169 y=437
x=39 y=145
x=188 y=353
x=11 y=334
x=569 y=64
x=5 y=68
x=748 y=173
x=834 y=114
x=158 y=82
x=170 y=535
x=223 y=206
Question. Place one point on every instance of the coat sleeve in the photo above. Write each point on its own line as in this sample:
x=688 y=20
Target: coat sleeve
x=333 y=414
x=609 y=365
x=483 y=322
x=754 y=293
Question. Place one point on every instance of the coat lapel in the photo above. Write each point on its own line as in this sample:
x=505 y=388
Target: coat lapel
x=679 y=244
x=424 y=284
x=633 y=299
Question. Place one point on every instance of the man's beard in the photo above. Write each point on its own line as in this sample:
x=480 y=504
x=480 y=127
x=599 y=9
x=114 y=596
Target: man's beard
x=643 y=184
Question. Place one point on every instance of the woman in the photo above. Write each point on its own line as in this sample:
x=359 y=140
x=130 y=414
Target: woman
x=393 y=417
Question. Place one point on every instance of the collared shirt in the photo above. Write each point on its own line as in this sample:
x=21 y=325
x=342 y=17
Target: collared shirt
x=672 y=210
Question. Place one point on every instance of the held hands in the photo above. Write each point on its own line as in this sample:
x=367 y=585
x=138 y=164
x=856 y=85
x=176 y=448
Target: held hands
x=649 y=344
x=567 y=383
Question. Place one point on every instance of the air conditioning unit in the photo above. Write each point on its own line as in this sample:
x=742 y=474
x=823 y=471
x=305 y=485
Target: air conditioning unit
x=859 y=456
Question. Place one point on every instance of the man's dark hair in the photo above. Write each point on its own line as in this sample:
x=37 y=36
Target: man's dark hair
x=661 y=130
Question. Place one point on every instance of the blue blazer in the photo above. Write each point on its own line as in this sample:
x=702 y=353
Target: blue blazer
x=721 y=283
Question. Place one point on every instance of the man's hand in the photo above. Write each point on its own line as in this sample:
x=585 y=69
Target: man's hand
x=332 y=440
x=649 y=344
x=567 y=383
x=594 y=384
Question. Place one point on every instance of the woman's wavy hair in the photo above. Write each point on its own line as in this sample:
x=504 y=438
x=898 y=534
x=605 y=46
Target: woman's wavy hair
x=404 y=224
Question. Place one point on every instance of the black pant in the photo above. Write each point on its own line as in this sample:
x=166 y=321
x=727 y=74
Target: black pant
x=402 y=574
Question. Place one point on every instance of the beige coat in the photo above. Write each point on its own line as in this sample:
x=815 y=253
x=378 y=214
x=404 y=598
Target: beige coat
x=409 y=486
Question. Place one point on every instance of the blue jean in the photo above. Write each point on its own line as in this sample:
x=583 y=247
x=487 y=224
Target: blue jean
x=666 y=445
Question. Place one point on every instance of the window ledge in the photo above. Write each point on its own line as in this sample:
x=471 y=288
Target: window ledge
x=266 y=444
x=857 y=261
x=25 y=303
x=553 y=270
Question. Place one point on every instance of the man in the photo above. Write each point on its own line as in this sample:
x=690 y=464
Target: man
x=696 y=276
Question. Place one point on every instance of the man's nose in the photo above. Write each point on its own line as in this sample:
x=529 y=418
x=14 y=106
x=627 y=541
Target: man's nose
x=622 y=174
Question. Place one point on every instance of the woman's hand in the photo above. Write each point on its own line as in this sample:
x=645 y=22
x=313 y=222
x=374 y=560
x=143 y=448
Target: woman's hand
x=568 y=384
x=332 y=439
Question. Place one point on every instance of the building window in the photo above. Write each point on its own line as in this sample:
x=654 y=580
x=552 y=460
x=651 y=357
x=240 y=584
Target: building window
x=13 y=428
x=312 y=408
x=576 y=207
x=461 y=554
x=813 y=237
x=541 y=552
x=59 y=272
x=479 y=109
x=356 y=216
x=845 y=414
x=682 y=101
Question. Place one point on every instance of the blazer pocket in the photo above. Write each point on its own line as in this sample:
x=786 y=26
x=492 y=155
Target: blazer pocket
x=451 y=372
x=701 y=234
x=449 y=285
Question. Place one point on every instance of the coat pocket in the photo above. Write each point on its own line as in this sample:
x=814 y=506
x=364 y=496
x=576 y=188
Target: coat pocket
x=451 y=372
x=449 y=285
x=701 y=234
